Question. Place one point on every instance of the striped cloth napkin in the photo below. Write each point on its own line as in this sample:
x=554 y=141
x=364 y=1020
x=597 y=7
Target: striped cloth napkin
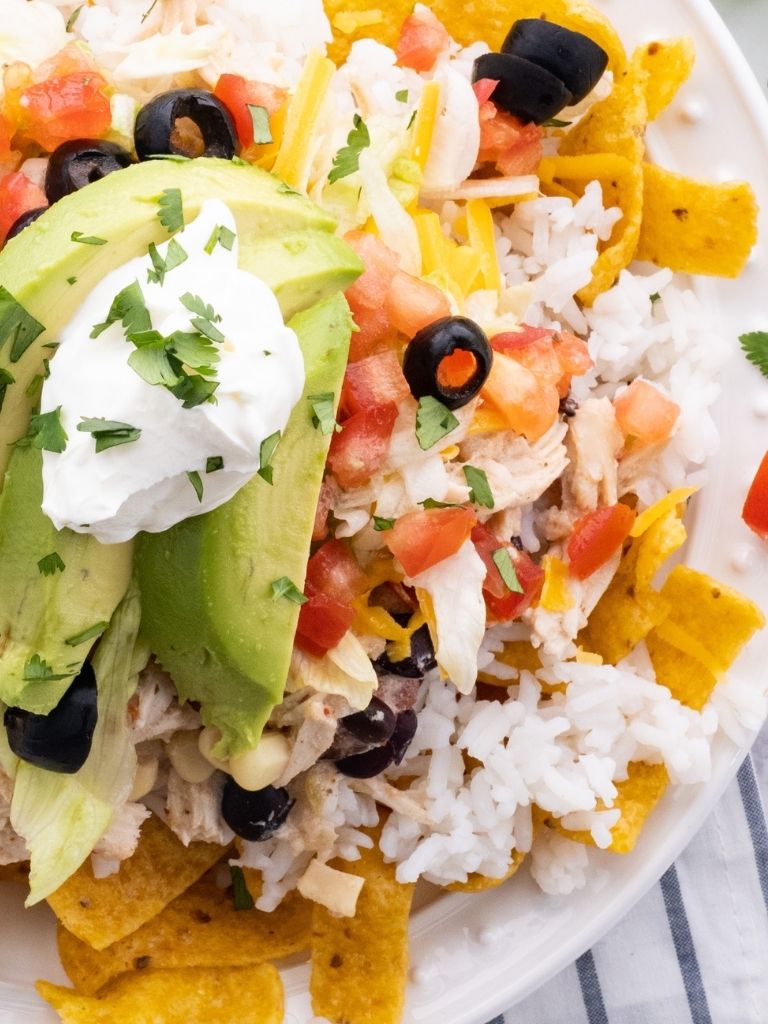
x=695 y=949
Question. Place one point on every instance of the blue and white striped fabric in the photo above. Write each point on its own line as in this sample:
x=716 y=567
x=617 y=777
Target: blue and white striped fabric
x=695 y=949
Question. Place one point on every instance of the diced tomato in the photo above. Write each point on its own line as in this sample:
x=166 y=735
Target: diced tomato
x=412 y=303
x=645 y=414
x=755 y=511
x=323 y=621
x=514 y=147
x=596 y=537
x=370 y=289
x=511 y=341
x=237 y=93
x=324 y=502
x=421 y=539
x=528 y=404
x=484 y=88
x=574 y=357
x=360 y=447
x=374 y=333
x=333 y=569
x=17 y=195
x=502 y=603
x=8 y=158
x=423 y=37
x=376 y=380
x=532 y=348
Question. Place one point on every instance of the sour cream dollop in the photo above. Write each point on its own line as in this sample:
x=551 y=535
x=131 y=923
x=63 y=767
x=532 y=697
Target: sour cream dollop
x=145 y=484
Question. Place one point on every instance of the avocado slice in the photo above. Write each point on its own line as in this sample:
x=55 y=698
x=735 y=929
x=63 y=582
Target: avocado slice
x=208 y=610
x=284 y=238
x=48 y=623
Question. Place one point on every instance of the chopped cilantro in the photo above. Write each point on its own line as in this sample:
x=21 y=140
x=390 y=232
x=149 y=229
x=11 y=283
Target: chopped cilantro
x=504 y=564
x=197 y=484
x=87 y=634
x=128 y=307
x=241 y=895
x=71 y=280
x=755 y=346
x=6 y=379
x=108 y=433
x=51 y=564
x=401 y=96
x=214 y=463
x=323 y=416
x=148 y=11
x=479 y=489
x=655 y=298
x=38 y=670
x=174 y=257
x=16 y=325
x=34 y=386
x=222 y=236
x=553 y=122
x=380 y=524
x=46 y=432
x=260 y=118
x=196 y=305
x=171 y=211
x=287 y=190
x=266 y=454
x=434 y=503
x=194 y=390
x=73 y=18
x=78 y=236
x=285 y=587
x=347 y=160
x=194 y=350
x=411 y=120
x=433 y=421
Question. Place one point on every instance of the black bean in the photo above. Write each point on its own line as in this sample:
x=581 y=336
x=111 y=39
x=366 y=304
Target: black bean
x=254 y=816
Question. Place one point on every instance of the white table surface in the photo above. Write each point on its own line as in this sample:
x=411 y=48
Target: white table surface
x=748 y=21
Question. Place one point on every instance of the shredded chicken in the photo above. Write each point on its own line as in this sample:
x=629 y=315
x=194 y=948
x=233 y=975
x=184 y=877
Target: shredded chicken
x=193 y=810
x=555 y=524
x=154 y=710
x=12 y=846
x=385 y=793
x=637 y=464
x=594 y=442
x=122 y=837
x=518 y=472
x=320 y=713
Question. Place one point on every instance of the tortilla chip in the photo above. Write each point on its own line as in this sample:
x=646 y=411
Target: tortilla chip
x=360 y=965
x=707 y=626
x=697 y=227
x=102 y=911
x=638 y=795
x=480 y=883
x=630 y=608
x=191 y=995
x=669 y=63
x=489 y=20
x=200 y=928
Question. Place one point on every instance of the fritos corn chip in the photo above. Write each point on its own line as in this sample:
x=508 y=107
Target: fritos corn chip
x=480 y=883
x=102 y=911
x=200 y=928
x=191 y=995
x=669 y=63
x=359 y=965
x=696 y=227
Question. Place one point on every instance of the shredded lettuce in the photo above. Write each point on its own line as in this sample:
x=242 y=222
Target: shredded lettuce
x=346 y=670
x=62 y=817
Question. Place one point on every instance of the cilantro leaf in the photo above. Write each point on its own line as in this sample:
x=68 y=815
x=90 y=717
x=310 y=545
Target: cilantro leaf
x=78 y=236
x=655 y=298
x=73 y=18
x=433 y=503
x=214 y=463
x=241 y=895
x=194 y=390
x=503 y=562
x=196 y=305
x=260 y=118
x=197 y=484
x=148 y=11
x=323 y=416
x=347 y=160
x=38 y=670
x=71 y=280
x=128 y=307
x=222 y=236
x=285 y=587
x=174 y=257
x=46 y=432
x=380 y=524
x=433 y=421
x=287 y=190
x=17 y=326
x=755 y=346
x=266 y=453
x=553 y=122
x=171 y=209
x=479 y=489
x=108 y=433
x=87 y=634
x=401 y=96
x=153 y=364
x=6 y=379
x=51 y=564
x=194 y=350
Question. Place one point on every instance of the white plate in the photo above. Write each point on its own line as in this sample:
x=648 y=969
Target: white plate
x=474 y=956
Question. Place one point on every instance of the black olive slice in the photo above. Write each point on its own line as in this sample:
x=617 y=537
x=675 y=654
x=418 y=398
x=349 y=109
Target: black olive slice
x=525 y=89
x=433 y=343
x=572 y=57
x=80 y=162
x=254 y=816
x=24 y=221
x=185 y=122
x=61 y=740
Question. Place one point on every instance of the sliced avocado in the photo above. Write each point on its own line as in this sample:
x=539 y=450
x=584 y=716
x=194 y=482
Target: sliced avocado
x=37 y=266
x=208 y=610
x=40 y=613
